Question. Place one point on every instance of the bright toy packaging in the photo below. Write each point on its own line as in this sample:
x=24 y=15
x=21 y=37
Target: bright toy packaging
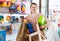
x=2 y=35
x=14 y=6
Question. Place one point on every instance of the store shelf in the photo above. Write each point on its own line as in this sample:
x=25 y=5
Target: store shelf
x=19 y=15
x=5 y=24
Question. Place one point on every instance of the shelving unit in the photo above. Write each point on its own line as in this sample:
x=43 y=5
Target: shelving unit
x=4 y=11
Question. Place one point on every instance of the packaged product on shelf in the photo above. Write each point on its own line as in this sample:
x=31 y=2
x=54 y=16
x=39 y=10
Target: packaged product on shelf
x=15 y=19
x=12 y=8
x=1 y=19
x=8 y=18
x=5 y=3
x=2 y=35
x=23 y=8
x=18 y=7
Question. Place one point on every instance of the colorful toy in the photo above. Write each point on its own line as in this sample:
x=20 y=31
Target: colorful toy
x=41 y=20
x=12 y=8
x=8 y=4
x=2 y=35
x=29 y=25
x=4 y=4
x=8 y=18
x=1 y=2
x=1 y=19
x=13 y=19
x=18 y=8
x=23 y=8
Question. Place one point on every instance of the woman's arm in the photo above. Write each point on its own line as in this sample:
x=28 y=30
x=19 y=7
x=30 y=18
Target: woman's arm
x=48 y=23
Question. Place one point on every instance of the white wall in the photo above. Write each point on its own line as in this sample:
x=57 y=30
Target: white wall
x=54 y=6
x=43 y=6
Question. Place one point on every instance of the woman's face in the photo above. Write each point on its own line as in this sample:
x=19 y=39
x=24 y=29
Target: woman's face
x=33 y=8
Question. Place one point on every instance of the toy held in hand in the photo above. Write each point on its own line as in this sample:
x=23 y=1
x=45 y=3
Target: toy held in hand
x=30 y=27
x=41 y=20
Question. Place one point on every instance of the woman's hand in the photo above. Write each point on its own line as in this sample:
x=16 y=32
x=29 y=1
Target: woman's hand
x=48 y=23
x=42 y=27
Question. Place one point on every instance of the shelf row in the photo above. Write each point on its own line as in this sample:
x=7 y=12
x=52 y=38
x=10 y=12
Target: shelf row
x=11 y=18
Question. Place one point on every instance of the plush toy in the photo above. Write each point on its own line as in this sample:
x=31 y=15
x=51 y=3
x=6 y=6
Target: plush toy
x=8 y=18
x=8 y=4
x=1 y=2
x=1 y=19
x=23 y=8
x=13 y=1
x=41 y=20
x=12 y=8
x=18 y=8
x=4 y=4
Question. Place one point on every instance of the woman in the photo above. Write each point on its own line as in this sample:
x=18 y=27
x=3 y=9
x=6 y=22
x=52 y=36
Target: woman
x=33 y=18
